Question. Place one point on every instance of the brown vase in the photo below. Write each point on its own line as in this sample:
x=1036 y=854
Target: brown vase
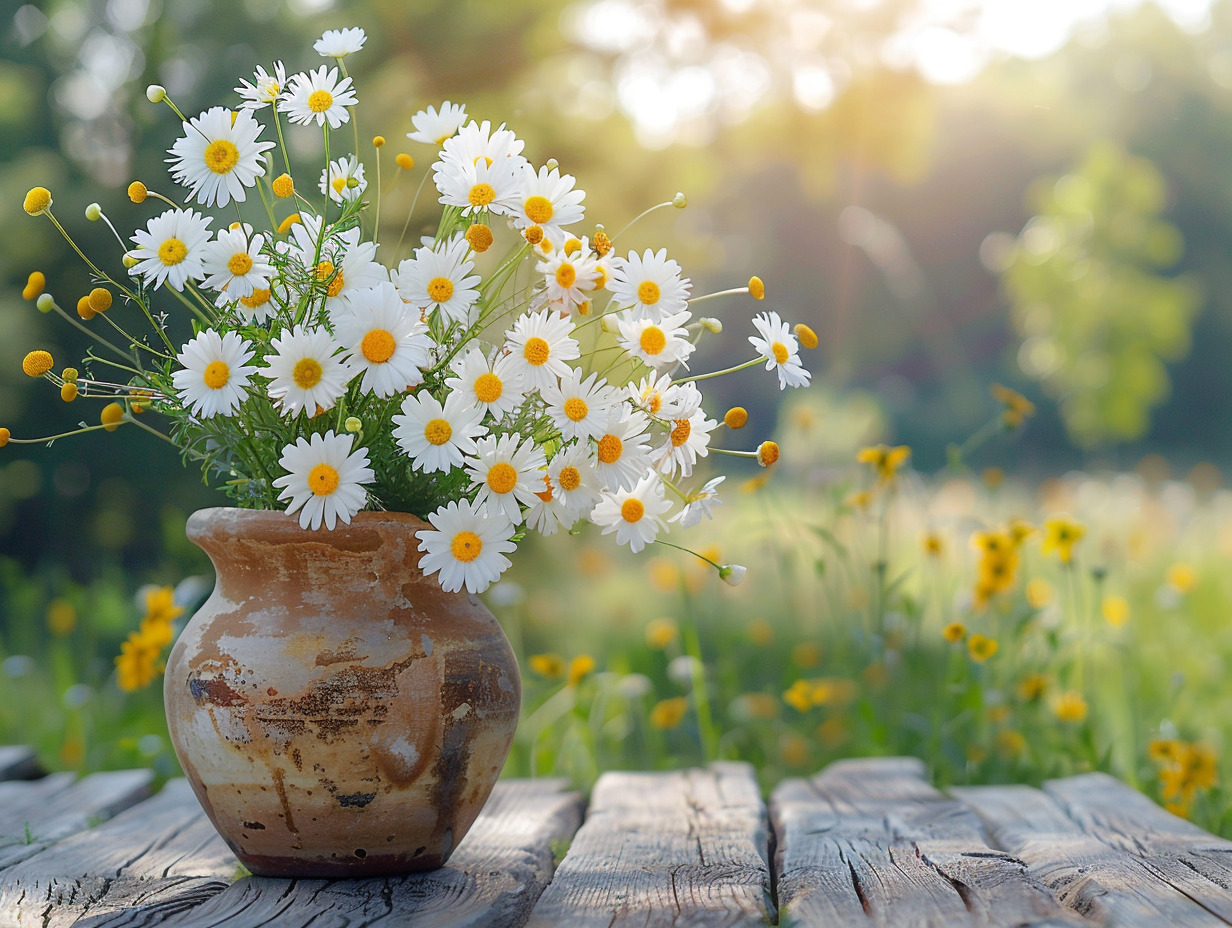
x=336 y=712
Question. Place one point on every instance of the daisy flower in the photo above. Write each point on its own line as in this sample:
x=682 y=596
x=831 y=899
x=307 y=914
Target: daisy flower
x=434 y=128
x=234 y=266
x=497 y=386
x=305 y=371
x=635 y=515
x=338 y=43
x=699 y=504
x=264 y=89
x=549 y=514
x=658 y=342
x=435 y=437
x=440 y=279
x=657 y=396
x=384 y=339
x=170 y=247
x=318 y=96
x=256 y=308
x=542 y=344
x=507 y=474
x=345 y=264
x=467 y=548
x=651 y=284
x=569 y=276
x=546 y=199
x=480 y=142
x=482 y=184
x=324 y=479
x=780 y=349
x=219 y=156
x=573 y=478
x=623 y=454
x=580 y=408
x=343 y=180
x=216 y=373
x=688 y=440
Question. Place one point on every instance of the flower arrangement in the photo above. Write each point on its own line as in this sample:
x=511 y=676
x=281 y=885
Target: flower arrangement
x=491 y=395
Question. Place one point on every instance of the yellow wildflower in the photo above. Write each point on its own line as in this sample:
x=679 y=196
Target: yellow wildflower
x=378 y=141
x=660 y=633
x=100 y=299
x=1039 y=593
x=283 y=186
x=1182 y=578
x=1070 y=706
x=884 y=460
x=933 y=544
x=1115 y=610
x=61 y=617
x=5 y=435
x=285 y=226
x=1165 y=750
x=137 y=664
x=799 y=696
x=806 y=654
x=793 y=750
x=1017 y=407
x=580 y=668
x=1011 y=744
x=1061 y=534
x=668 y=713
x=954 y=632
x=761 y=632
x=548 y=665
x=1032 y=687
x=981 y=648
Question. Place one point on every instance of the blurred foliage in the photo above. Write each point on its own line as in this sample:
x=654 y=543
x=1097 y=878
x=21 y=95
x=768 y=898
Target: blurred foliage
x=1099 y=322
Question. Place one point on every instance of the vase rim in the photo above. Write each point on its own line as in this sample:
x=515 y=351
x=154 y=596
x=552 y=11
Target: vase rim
x=276 y=522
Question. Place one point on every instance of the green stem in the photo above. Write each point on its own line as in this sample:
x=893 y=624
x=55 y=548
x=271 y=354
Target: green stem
x=730 y=370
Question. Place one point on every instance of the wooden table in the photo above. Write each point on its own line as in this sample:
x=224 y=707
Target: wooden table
x=864 y=842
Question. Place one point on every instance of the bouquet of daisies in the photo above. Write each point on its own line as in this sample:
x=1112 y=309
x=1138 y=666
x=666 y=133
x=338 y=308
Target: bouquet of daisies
x=510 y=373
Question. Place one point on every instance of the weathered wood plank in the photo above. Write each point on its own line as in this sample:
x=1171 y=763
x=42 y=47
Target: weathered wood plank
x=1097 y=880
x=19 y=763
x=162 y=856
x=657 y=849
x=493 y=879
x=870 y=842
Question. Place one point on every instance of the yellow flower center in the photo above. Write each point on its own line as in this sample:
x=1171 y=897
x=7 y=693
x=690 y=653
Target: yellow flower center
x=323 y=480
x=481 y=195
x=572 y=245
x=610 y=449
x=546 y=495
x=781 y=354
x=566 y=275
x=221 y=156
x=37 y=201
x=378 y=346
x=479 y=237
x=502 y=478
x=216 y=375
x=240 y=264
x=320 y=100
x=257 y=298
x=632 y=510
x=440 y=289
x=37 y=363
x=172 y=252
x=538 y=209
x=307 y=373
x=437 y=431
x=324 y=270
x=536 y=351
x=569 y=479
x=653 y=340
x=601 y=279
x=576 y=409
x=466 y=546
x=680 y=434
x=648 y=292
x=488 y=388
x=653 y=400
x=283 y=186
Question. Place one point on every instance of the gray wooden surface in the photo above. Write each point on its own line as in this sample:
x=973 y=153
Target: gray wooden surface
x=864 y=842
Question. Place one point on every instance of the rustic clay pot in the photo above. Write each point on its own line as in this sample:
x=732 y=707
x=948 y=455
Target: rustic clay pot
x=335 y=711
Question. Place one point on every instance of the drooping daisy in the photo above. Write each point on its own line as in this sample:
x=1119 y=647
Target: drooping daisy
x=497 y=385
x=338 y=43
x=440 y=279
x=574 y=479
x=660 y=343
x=547 y=199
x=343 y=180
x=699 y=504
x=650 y=283
x=384 y=339
x=780 y=349
x=318 y=96
x=219 y=156
x=688 y=440
x=507 y=474
x=216 y=373
x=657 y=396
x=433 y=128
x=570 y=277
x=234 y=266
x=543 y=346
x=324 y=479
x=306 y=371
x=580 y=408
x=635 y=514
x=264 y=89
x=170 y=248
x=435 y=437
x=467 y=548
x=622 y=452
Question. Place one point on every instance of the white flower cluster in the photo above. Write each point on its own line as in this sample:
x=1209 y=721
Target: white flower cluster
x=514 y=397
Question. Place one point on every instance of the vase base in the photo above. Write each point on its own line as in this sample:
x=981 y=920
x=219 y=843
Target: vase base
x=335 y=866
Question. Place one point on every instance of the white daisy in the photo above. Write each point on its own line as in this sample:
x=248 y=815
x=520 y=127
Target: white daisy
x=688 y=440
x=218 y=156
x=497 y=386
x=507 y=474
x=318 y=96
x=780 y=349
x=324 y=479
x=574 y=479
x=482 y=184
x=256 y=308
x=306 y=371
x=543 y=346
x=623 y=452
x=699 y=504
x=343 y=180
x=480 y=142
x=657 y=396
x=234 y=266
x=661 y=342
x=580 y=408
x=468 y=548
x=547 y=199
x=338 y=43
x=434 y=128
x=635 y=515
x=384 y=339
x=651 y=284
x=170 y=248
x=216 y=373
x=435 y=437
x=345 y=264
x=549 y=513
x=440 y=279
x=264 y=89
x=569 y=277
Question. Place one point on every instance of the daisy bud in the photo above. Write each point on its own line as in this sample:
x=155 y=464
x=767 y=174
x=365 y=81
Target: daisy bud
x=378 y=141
x=37 y=363
x=68 y=392
x=808 y=338
x=111 y=416
x=479 y=237
x=283 y=186
x=84 y=309
x=552 y=164
x=34 y=286
x=285 y=226
x=38 y=200
x=736 y=418
x=4 y=437
x=45 y=303
x=757 y=289
x=156 y=93
x=69 y=373
x=100 y=299
x=353 y=424
x=732 y=574
x=680 y=201
x=130 y=260
x=712 y=325
x=609 y=324
x=137 y=192
x=767 y=453
x=94 y=212
x=404 y=161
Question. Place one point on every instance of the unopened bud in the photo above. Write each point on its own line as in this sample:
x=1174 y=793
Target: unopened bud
x=45 y=303
x=680 y=201
x=353 y=424
x=609 y=324
x=711 y=324
x=552 y=164
x=94 y=212
x=130 y=260
x=156 y=93
x=732 y=574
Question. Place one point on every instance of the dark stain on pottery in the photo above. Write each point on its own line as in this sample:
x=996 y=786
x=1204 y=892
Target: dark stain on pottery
x=255 y=826
x=355 y=800
x=214 y=690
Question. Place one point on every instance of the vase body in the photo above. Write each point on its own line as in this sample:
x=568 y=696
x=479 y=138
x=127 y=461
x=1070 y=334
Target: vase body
x=336 y=712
